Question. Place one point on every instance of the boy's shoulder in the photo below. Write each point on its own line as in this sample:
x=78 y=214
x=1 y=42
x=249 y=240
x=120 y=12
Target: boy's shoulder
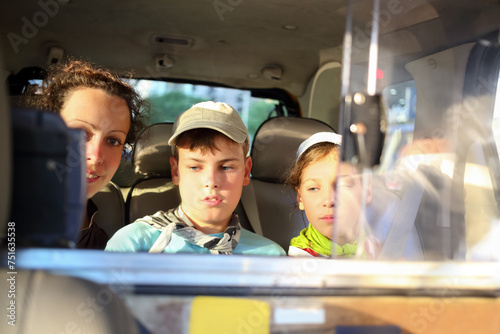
x=135 y=237
x=252 y=243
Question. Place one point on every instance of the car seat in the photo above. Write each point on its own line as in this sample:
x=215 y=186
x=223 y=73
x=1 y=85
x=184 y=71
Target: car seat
x=271 y=206
x=155 y=190
x=111 y=205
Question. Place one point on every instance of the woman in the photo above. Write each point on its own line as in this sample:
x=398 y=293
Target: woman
x=111 y=114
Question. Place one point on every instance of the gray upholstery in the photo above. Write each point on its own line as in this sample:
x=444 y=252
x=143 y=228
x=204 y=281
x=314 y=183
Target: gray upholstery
x=275 y=145
x=150 y=195
x=152 y=152
x=155 y=191
x=273 y=154
x=47 y=303
x=111 y=205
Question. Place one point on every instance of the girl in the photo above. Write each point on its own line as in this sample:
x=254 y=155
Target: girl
x=316 y=176
x=109 y=111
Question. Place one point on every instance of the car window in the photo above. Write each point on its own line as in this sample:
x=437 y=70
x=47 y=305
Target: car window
x=169 y=99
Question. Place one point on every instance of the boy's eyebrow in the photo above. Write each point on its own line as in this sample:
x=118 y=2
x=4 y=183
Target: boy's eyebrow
x=218 y=161
x=193 y=158
x=228 y=160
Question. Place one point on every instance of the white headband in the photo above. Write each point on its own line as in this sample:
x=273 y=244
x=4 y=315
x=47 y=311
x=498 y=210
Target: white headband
x=319 y=137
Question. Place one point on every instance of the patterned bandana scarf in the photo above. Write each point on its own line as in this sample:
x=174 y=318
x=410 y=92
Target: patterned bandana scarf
x=175 y=221
x=311 y=239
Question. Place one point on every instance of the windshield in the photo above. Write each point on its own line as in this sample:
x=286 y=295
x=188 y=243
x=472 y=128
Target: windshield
x=431 y=92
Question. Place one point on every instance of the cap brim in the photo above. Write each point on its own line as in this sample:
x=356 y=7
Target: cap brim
x=232 y=133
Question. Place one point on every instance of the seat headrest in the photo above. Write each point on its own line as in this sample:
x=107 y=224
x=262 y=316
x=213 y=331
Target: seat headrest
x=276 y=142
x=152 y=152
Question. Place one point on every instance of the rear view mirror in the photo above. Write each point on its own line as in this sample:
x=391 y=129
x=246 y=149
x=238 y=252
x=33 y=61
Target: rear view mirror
x=364 y=128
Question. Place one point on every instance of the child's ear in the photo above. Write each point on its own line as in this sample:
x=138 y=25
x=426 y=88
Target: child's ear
x=299 y=201
x=248 y=170
x=174 y=170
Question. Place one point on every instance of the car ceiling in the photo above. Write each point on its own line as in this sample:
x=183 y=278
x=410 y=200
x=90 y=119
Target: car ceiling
x=230 y=45
x=230 y=41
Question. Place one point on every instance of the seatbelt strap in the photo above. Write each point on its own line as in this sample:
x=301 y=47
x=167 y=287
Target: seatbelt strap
x=404 y=220
x=163 y=240
x=249 y=202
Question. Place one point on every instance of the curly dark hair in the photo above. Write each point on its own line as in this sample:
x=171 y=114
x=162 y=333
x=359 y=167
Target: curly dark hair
x=64 y=78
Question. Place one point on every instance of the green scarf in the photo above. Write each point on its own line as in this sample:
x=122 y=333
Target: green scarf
x=310 y=238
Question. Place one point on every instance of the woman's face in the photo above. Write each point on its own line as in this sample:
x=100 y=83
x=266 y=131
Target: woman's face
x=327 y=211
x=106 y=121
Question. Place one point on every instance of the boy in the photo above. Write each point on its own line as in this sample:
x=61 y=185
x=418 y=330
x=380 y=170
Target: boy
x=210 y=165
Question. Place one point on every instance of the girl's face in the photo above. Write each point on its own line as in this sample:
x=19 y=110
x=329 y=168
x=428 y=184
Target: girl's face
x=326 y=210
x=106 y=121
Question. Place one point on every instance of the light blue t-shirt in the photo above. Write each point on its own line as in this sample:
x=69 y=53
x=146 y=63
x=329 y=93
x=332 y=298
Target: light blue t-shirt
x=140 y=237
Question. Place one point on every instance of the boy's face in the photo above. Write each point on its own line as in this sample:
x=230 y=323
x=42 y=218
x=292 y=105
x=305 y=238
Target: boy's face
x=211 y=183
x=327 y=211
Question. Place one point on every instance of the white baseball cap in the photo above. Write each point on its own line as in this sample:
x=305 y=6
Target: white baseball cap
x=319 y=137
